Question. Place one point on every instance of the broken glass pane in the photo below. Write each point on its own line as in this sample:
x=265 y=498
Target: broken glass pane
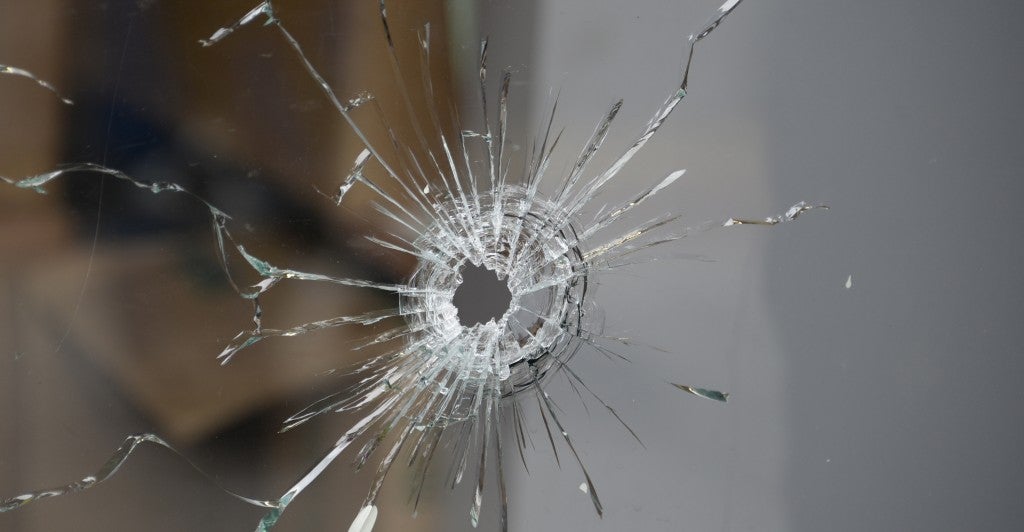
x=441 y=183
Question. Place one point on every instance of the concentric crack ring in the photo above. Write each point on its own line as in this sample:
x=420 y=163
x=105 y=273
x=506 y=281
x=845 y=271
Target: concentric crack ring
x=520 y=246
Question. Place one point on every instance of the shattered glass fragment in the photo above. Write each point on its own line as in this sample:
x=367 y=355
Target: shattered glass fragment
x=450 y=380
x=714 y=395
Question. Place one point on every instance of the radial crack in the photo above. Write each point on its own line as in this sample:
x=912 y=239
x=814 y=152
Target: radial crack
x=449 y=209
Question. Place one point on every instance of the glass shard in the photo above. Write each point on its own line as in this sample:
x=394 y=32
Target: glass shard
x=15 y=71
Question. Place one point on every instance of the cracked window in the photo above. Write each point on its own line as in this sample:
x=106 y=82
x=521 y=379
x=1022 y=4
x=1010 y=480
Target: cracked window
x=419 y=266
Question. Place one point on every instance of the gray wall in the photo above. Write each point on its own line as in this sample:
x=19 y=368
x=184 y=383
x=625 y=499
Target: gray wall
x=892 y=405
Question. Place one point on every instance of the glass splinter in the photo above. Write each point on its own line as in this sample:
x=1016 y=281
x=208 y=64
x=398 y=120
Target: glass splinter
x=15 y=71
x=452 y=379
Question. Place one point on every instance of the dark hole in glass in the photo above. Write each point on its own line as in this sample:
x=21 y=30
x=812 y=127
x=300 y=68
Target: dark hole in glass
x=481 y=296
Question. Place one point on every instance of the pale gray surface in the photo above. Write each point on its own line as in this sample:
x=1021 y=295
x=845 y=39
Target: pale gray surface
x=892 y=405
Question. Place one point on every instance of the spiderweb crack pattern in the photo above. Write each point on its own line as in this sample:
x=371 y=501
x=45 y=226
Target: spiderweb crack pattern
x=448 y=381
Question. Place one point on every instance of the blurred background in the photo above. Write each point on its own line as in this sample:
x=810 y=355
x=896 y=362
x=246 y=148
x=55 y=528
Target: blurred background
x=872 y=352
